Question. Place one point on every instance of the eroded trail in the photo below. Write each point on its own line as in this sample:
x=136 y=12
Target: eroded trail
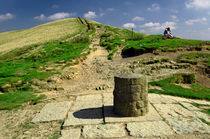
x=87 y=77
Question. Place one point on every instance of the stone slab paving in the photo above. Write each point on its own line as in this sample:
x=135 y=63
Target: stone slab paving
x=159 y=99
x=111 y=117
x=186 y=126
x=172 y=110
x=149 y=129
x=104 y=131
x=176 y=99
x=201 y=102
x=71 y=134
x=87 y=109
x=202 y=115
x=190 y=106
x=53 y=112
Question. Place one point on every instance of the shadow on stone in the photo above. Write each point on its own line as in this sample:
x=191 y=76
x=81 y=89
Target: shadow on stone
x=90 y=113
x=95 y=113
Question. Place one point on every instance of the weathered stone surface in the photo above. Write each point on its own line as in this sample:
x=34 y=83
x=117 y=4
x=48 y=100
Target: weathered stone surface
x=111 y=117
x=87 y=101
x=186 y=126
x=190 y=106
x=84 y=117
x=204 y=102
x=86 y=110
x=71 y=134
x=154 y=98
x=130 y=95
x=104 y=131
x=160 y=99
x=172 y=110
x=53 y=112
x=178 y=99
x=202 y=115
x=149 y=129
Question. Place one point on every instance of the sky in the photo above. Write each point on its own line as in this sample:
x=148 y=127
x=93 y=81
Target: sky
x=189 y=19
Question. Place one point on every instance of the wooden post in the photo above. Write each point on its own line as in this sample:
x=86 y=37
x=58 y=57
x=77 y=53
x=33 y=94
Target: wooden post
x=132 y=33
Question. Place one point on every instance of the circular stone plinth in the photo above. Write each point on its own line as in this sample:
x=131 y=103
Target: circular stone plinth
x=131 y=95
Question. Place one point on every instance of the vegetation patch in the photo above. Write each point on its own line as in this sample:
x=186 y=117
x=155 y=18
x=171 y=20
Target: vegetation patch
x=114 y=38
x=169 y=86
x=195 y=58
x=16 y=99
x=40 y=34
x=204 y=107
x=20 y=67
x=153 y=42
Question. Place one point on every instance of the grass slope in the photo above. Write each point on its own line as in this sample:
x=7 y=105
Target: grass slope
x=20 y=66
x=39 y=34
x=169 y=86
x=195 y=58
x=154 y=42
x=114 y=38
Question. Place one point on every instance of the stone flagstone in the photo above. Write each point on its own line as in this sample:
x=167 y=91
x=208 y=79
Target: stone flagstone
x=186 y=126
x=149 y=129
x=53 y=112
x=202 y=115
x=203 y=102
x=160 y=99
x=172 y=110
x=178 y=99
x=71 y=134
x=104 y=131
x=111 y=117
x=190 y=106
x=86 y=110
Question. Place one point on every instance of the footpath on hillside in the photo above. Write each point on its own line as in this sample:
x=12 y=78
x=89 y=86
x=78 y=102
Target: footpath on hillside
x=84 y=109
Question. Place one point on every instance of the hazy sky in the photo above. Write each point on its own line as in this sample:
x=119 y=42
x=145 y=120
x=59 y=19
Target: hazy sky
x=187 y=18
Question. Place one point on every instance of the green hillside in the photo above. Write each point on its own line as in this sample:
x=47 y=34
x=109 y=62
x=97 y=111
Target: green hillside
x=38 y=53
x=22 y=66
x=40 y=34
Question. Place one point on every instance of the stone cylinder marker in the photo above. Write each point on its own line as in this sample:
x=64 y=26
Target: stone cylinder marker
x=131 y=95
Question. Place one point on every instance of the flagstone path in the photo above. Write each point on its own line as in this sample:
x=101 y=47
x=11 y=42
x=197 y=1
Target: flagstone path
x=92 y=116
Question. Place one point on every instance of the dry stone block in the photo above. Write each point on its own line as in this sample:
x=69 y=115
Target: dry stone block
x=71 y=134
x=190 y=106
x=173 y=110
x=149 y=129
x=131 y=95
x=186 y=126
x=86 y=109
x=104 y=131
x=53 y=112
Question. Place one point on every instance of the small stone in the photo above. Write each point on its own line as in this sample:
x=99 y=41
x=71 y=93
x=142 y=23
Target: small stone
x=172 y=62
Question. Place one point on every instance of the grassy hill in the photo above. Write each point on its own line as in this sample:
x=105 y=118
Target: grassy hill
x=40 y=34
x=36 y=54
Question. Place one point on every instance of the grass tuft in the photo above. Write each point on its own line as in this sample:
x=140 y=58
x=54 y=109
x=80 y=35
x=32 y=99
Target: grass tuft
x=195 y=58
x=170 y=88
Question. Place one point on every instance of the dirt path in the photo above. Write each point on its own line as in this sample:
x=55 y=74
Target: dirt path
x=87 y=76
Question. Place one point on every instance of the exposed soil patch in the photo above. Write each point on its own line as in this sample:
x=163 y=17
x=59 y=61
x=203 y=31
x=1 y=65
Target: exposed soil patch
x=155 y=87
x=185 y=85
